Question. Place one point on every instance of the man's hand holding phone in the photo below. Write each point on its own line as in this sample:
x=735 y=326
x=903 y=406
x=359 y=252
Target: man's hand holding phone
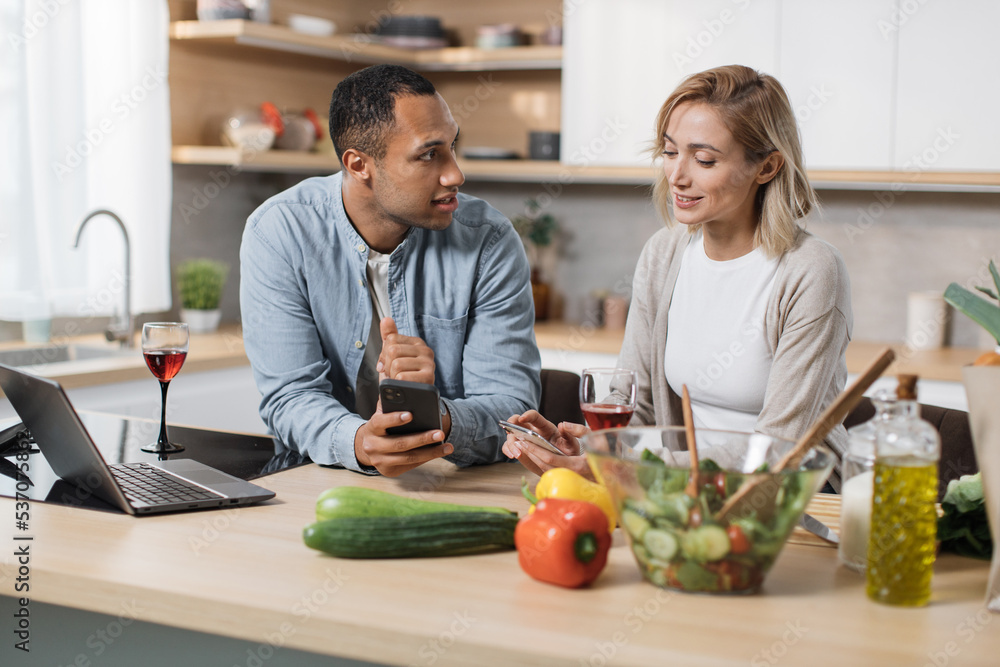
x=405 y=430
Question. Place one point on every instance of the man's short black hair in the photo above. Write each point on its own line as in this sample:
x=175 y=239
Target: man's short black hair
x=362 y=109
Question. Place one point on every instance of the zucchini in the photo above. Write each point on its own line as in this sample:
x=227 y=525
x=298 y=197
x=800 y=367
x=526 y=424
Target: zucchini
x=356 y=501
x=635 y=524
x=705 y=544
x=661 y=544
x=434 y=534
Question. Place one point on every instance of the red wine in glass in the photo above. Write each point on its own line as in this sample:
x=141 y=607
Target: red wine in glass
x=164 y=364
x=607 y=397
x=606 y=415
x=165 y=347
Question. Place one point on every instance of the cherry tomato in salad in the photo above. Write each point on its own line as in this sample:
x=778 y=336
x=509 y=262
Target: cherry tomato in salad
x=738 y=541
x=719 y=481
x=694 y=518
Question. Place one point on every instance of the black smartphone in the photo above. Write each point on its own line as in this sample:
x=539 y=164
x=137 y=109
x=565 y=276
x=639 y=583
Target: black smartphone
x=420 y=399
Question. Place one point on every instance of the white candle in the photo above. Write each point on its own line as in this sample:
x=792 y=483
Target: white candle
x=855 y=520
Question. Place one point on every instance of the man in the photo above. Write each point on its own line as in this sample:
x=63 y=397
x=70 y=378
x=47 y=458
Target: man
x=385 y=271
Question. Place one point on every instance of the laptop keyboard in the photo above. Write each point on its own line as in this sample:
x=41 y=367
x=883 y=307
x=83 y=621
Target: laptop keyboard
x=146 y=484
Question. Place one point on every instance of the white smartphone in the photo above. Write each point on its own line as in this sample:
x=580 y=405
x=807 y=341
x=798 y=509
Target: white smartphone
x=522 y=433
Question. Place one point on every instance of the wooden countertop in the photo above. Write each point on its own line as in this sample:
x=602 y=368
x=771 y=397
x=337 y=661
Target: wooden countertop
x=224 y=349
x=245 y=573
x=944 y=364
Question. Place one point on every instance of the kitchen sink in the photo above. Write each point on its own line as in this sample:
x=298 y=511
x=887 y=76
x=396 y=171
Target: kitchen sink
x=54 y=354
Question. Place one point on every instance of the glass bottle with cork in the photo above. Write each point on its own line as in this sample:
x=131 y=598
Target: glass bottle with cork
x=901 y=544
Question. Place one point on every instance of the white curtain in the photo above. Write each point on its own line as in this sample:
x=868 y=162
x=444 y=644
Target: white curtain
x=84 y=125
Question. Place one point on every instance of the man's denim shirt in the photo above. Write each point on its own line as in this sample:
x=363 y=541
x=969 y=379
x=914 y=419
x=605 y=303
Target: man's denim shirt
x=307 y=312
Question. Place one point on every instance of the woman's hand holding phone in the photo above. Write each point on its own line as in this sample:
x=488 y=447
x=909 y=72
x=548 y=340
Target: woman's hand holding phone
x=537 y=458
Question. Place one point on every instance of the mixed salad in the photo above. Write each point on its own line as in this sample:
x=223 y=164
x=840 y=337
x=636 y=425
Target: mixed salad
x=682 y=542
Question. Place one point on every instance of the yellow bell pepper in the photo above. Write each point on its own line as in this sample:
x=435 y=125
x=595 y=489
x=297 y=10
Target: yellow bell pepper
x=566 y=484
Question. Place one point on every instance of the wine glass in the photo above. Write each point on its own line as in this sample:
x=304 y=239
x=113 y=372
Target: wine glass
x=607 y=397
x=165 y=347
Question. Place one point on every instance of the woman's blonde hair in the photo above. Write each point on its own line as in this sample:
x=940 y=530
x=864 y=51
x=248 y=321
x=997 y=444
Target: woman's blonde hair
x=756 y=110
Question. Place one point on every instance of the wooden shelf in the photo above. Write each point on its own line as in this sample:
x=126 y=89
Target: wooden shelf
x=511 y=171
x=266 y=161
x=363 y=49
x=904 y=181
x=548 y=171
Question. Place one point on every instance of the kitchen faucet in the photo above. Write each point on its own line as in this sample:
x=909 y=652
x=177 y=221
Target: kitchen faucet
x=123 y=330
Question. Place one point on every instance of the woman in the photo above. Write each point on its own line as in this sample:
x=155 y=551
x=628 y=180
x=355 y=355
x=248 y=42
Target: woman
x=738 y=302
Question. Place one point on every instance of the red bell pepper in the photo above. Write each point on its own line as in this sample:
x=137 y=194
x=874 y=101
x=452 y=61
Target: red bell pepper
x=563 y=542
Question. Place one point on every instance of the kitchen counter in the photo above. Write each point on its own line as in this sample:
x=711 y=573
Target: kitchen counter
x=224 y=349
x=944 y=364
x=212 y=351
x=246 y=574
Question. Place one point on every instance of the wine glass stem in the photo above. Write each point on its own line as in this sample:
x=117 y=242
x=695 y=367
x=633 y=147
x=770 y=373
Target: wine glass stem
x=163 y=412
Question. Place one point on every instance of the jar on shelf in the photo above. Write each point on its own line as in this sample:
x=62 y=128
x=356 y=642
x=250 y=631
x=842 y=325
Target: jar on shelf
x=253 y=130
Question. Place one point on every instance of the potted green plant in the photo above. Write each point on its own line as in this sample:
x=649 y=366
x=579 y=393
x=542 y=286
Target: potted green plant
x=537 y=231
x=982 y=387
x=981 y=311
x=200 y=282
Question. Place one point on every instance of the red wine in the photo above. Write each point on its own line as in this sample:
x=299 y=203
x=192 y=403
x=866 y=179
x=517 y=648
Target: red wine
x=606 y=415
x=164 y=364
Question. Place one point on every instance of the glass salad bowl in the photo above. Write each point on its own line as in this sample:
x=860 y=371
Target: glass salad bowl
x=700 y=543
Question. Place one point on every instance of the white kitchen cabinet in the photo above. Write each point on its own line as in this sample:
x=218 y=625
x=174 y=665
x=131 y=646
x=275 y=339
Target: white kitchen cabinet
x=947 y=94
x=836 y=65
x=877 y=85
x=622 y=59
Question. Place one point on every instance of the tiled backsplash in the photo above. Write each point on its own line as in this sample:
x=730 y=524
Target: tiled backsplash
x=893 y=243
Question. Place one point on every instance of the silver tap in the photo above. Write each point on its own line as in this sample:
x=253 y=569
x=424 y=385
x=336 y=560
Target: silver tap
x=123 y=330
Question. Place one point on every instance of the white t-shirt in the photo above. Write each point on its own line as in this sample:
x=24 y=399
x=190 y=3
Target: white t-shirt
x=378 y=288
x=715 y=341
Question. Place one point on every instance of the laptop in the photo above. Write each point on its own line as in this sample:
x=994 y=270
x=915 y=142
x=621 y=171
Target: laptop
x=136 y=488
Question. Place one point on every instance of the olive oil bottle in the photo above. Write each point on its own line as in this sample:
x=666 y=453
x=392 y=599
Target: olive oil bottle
x=901 y=544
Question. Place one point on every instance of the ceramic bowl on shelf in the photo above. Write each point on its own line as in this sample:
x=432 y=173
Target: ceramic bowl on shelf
x=311 y=25
x=686 y=543
x=413 y=32
x=497 y=36
x=488 y=153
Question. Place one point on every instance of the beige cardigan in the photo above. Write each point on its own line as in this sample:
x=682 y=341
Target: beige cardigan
x=807 y=326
